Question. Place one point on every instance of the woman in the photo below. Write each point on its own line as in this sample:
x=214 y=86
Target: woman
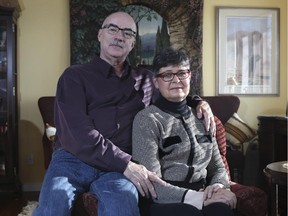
x=171 y=141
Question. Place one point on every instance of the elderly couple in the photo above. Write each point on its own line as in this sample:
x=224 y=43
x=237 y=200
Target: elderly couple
x=114 y=142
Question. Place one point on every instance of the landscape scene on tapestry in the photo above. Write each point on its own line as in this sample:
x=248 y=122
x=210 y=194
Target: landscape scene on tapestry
x=152 y=35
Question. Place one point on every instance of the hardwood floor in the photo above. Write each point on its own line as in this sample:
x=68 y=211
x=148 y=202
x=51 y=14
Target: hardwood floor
x=12 y=206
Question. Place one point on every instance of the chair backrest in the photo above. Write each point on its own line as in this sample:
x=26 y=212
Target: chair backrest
x=46 y=107
x=223 y=106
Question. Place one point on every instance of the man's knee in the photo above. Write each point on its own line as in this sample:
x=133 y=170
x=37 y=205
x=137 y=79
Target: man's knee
x=116 y=195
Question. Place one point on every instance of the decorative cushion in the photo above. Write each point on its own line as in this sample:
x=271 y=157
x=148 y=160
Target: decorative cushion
x=238 y=131
x=250 y=200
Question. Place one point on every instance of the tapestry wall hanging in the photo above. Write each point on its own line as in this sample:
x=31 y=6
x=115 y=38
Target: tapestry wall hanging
x=160 y=24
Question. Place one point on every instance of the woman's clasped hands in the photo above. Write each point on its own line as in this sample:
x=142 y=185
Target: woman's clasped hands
x=217 y=193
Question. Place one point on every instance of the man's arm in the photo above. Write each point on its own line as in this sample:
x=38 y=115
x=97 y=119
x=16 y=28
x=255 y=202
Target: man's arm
x=76 y=131
x=203 y=111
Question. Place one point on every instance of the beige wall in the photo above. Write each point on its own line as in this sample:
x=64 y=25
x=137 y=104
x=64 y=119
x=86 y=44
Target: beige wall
x=43 y=54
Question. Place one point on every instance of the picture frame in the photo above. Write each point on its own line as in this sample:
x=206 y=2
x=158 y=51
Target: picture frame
x=247 y=51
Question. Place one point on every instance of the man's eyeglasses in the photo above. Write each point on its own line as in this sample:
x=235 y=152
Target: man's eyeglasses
x=169 y=76
x=114 y=29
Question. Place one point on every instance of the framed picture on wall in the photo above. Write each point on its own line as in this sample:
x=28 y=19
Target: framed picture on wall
x=247 y=51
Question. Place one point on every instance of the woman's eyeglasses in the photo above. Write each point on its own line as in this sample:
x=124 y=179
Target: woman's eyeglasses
x=169 y=76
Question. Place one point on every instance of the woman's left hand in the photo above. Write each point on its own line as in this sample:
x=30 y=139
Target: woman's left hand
x=209 y=190
x=223 y=195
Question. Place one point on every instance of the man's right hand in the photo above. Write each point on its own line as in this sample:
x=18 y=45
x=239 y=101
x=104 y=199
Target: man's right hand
x=142 y=179
x=203 y=109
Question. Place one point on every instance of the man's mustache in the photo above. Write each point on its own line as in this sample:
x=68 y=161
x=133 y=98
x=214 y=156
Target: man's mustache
x=116 y=43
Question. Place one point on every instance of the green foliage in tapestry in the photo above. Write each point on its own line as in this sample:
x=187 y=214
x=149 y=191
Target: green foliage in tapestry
x=141 y=13
x=86 y=18
x=162 y=37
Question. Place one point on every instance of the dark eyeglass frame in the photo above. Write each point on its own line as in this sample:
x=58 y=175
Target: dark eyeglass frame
x=187 y=72
x=114 y=29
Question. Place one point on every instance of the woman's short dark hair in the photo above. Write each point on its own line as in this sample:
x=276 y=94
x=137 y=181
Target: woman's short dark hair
x=169 y=56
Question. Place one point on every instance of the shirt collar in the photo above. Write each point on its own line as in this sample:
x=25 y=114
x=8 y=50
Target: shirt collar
x=107 y=70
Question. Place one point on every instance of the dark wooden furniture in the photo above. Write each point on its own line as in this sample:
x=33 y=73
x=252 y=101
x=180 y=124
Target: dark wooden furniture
x=276 y=174
x=9 y=181
x=272 y=134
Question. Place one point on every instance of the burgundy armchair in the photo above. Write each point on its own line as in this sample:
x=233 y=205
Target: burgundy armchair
x=251 y=201
x=224 y=107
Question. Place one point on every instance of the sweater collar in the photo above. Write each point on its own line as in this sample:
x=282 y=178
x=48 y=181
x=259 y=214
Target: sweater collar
x=177 y=109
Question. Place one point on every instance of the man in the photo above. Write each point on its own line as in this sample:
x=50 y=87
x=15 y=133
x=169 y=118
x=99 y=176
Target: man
x=94 y=109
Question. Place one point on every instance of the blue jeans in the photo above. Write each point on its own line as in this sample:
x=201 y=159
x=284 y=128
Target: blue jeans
x=67 y=177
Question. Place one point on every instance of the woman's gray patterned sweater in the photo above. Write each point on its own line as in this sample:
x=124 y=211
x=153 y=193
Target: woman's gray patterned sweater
x=178 y=150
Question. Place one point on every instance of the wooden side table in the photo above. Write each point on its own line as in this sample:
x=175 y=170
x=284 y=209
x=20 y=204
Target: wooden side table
x=272 y=132
x=276 y=174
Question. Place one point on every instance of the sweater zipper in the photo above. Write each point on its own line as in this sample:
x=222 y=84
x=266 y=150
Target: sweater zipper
x=190 y=159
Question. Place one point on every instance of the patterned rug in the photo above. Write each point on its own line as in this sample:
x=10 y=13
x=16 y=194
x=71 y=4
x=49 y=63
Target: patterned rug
x=29 y=208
